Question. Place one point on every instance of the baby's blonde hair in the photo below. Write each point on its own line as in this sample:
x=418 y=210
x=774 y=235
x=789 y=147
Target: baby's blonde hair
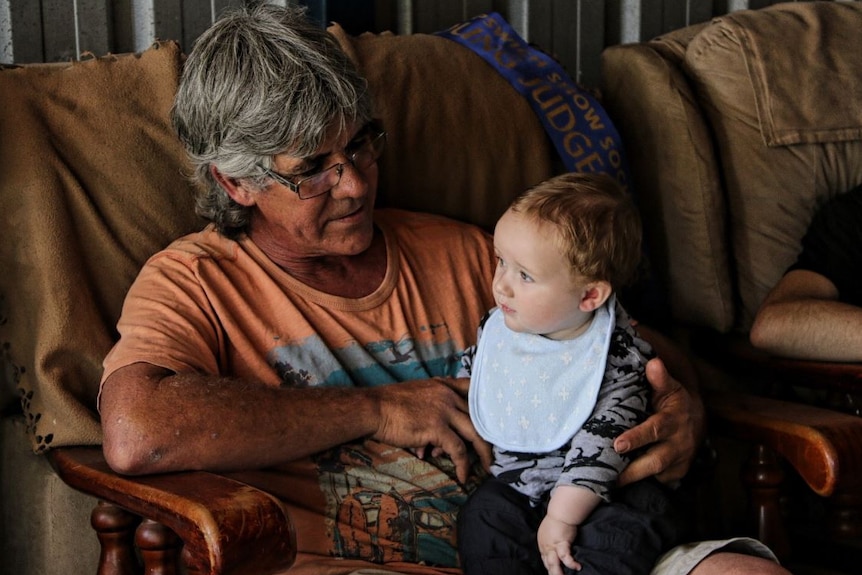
x=597 y=224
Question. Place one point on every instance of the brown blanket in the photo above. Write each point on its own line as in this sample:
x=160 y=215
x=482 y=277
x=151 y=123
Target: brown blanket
x=93 y=181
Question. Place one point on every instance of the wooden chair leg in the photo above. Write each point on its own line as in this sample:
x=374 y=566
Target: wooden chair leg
x=763 y=477
x=115 y=528
x=845 y=514
x=160 y=548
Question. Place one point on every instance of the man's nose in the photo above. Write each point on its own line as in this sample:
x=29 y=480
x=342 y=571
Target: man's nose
x=352 y=181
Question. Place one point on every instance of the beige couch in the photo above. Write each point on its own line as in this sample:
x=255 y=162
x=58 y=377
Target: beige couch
x=736 y=130
x=93 y=181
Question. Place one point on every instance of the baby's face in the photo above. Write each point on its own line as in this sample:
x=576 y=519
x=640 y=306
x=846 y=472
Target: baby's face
x=533 y=284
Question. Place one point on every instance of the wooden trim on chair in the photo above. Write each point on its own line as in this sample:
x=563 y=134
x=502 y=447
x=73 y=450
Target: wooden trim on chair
x=226 y=527
x=823 y=446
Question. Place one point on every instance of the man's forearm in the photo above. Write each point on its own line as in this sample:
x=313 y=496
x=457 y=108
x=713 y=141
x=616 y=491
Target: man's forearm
x=189 y=421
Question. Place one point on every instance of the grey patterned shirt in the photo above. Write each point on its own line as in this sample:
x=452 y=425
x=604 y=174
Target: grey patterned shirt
x=589 y=459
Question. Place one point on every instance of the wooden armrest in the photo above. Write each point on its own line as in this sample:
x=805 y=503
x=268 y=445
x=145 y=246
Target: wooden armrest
x=736 y=354
x=824 y=446
x=226 y=526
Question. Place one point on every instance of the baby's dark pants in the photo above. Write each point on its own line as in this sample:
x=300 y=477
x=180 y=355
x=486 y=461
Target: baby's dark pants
x=497 y=532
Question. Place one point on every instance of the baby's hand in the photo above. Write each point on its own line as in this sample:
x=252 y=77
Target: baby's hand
x=555 y=544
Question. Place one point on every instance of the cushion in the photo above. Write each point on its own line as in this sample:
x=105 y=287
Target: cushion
x=675 y=175
x=461 y=141
x=93 y=181
x=782 y=89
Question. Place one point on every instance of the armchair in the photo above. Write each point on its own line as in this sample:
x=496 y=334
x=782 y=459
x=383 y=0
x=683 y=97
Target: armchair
x=741 y=127
x=94 y=182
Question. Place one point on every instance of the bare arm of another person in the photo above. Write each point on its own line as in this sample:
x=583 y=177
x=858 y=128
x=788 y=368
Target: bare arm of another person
x=157 y=421
x=802 y=318
x=676 y=429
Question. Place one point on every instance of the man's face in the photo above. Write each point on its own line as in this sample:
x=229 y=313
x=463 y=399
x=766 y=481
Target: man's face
x=337 y=222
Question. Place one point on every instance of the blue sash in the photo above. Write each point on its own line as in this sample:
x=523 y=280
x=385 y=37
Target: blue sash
x=583 y=134
x=576 y=122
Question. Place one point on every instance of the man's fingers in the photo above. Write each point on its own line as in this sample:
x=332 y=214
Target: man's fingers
x=655 y=427
x=659 y=461
x=659 y=378
x=463 y=425
x=455 y=448
x=485 y=452
x=434 y=418
x=460 y=385
x=644 y=466
x=643 y=434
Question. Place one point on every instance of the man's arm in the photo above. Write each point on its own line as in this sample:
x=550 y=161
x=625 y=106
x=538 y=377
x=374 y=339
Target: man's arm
x=676 y=429
x=158 y=421
x=802 y=318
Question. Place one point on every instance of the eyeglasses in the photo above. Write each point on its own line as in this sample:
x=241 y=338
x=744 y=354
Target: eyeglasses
x=361 y=152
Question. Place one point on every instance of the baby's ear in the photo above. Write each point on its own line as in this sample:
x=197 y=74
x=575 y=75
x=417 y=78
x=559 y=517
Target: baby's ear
x=595 y=295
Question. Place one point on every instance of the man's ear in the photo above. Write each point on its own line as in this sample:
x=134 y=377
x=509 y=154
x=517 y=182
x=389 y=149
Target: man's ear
x=234 y=188
x=595 y=295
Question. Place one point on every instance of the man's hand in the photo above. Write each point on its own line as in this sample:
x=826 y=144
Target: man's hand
x=674 y=432
x=431 y=412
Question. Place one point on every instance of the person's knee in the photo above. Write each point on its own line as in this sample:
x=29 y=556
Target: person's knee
x=492 y=503
x=728 y=563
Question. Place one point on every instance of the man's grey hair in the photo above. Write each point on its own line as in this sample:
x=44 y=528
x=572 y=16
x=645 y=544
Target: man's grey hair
x=263 y=80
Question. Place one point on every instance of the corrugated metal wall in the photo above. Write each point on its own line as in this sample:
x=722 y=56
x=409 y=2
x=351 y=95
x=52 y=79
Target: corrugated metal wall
x=574 y=30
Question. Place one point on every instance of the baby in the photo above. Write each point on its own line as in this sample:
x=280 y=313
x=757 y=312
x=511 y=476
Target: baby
x=559 y=372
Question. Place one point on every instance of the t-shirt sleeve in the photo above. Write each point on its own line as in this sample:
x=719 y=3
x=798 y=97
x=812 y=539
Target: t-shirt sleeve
x=832 y=246
x=167 y=321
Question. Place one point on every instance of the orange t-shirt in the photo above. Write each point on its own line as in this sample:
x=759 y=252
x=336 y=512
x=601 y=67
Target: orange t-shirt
x=207 y=304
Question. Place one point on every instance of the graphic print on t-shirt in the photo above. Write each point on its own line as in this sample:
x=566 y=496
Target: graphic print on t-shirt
x=377 y=363
x=385 y=504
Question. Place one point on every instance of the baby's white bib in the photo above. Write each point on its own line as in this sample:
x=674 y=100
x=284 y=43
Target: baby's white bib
x=529 y=393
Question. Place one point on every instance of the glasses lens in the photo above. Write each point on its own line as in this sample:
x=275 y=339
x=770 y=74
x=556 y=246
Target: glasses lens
x=369 y=149
x=319 y=183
